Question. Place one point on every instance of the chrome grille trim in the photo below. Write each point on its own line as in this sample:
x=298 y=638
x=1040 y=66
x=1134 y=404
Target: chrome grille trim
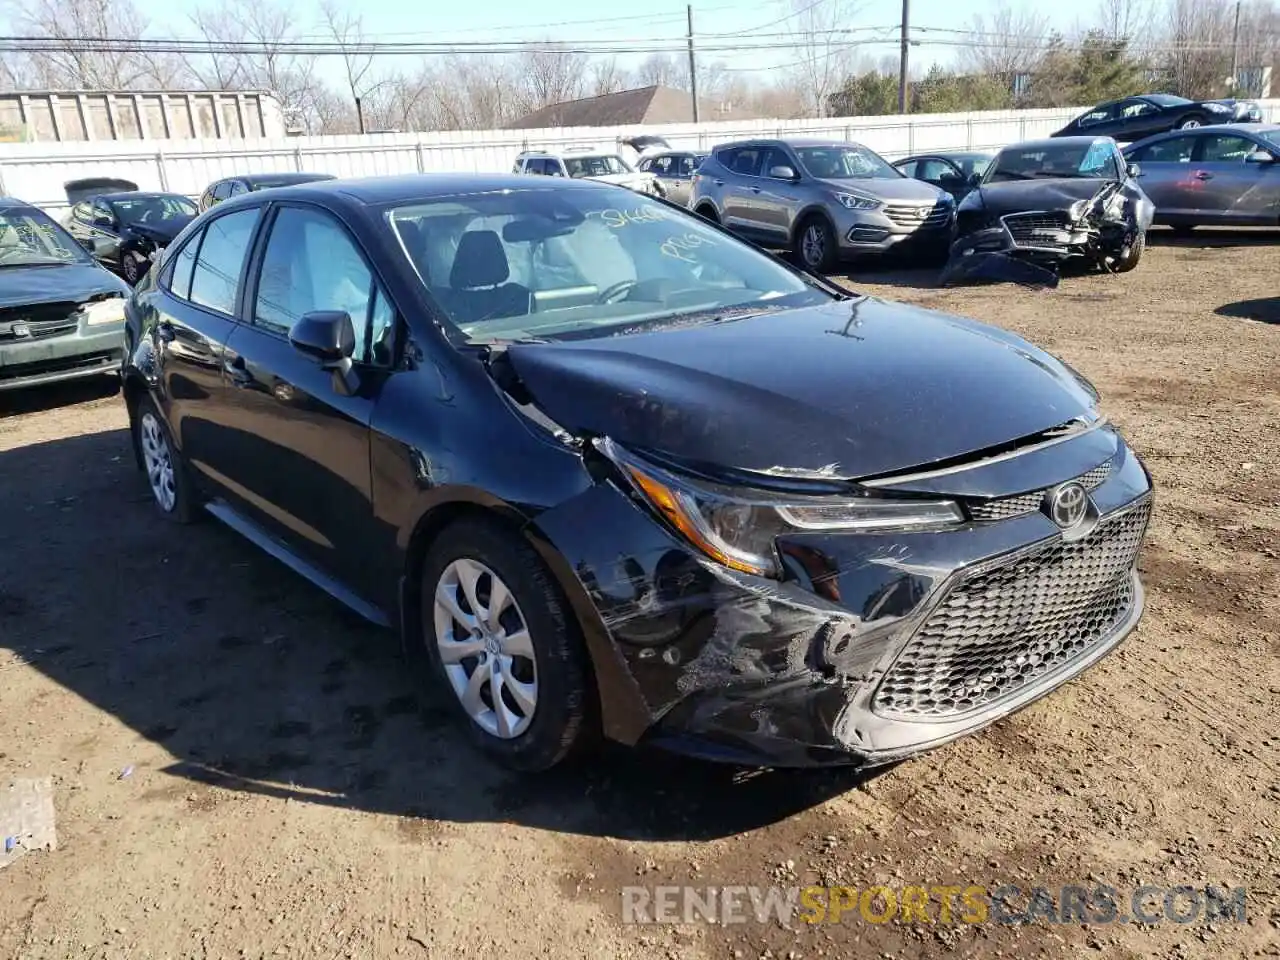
x=927 y=215
x=1004 y=627
x=1023 y=226
x=1016 y=506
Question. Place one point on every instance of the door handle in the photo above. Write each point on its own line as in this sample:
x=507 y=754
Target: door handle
x=1203 y=175
x=719 y=183
x=755 y=189
x=238 y=372
x=165 y=331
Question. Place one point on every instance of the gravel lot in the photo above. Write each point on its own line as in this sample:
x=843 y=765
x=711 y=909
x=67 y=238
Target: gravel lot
x=290 y=795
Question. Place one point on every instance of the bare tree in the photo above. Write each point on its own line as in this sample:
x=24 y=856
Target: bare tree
x=1007 y=43
x=551 y=74
x=608 y=77
x=347 y=30
x=822 y=50
x=67 y=24
x=1125 y=19
x=662 y=70
x=1196 y=46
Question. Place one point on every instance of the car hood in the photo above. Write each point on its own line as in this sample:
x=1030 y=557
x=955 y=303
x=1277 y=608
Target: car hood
x=71 y=282
x=160 y=232
x=883 y=189
x=852 y=389
x=1044 y=194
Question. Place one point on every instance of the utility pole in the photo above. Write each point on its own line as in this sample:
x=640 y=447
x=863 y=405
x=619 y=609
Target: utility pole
x=360 y=114
x=906 y=56
x=1235 y=53
x=693 y=67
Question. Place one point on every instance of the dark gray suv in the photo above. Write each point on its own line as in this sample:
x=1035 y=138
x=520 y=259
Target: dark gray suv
x=821 y=199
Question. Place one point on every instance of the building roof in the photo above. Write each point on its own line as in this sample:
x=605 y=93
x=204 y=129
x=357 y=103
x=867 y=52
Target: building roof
x=645 y=105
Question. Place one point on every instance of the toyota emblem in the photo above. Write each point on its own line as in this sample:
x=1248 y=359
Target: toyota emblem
x=1067 y=504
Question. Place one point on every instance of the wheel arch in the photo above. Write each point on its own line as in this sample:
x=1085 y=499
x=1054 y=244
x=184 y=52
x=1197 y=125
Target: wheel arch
x=133 y=388
x=620 y=707
x=807 y=214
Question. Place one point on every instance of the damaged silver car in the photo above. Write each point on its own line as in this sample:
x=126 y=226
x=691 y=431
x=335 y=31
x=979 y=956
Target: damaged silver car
x=1042 y=203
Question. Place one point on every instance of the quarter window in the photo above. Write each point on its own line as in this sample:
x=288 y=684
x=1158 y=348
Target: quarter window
x=218 y=265
x=311 y=263
x=183 y=266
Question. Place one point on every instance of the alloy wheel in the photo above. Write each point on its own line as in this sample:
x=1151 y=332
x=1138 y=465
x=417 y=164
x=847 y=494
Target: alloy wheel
x=485 y=647
x=131 y=269
x=1190 y=124
x=813 y=245
x=159 y=462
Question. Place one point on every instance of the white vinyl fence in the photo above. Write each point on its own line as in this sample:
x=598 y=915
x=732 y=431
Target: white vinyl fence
x=36 y=172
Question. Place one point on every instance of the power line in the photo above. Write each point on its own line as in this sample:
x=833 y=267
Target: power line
x=771 y=23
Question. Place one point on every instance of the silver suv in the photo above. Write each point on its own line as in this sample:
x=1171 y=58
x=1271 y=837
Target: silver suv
x=821 y=199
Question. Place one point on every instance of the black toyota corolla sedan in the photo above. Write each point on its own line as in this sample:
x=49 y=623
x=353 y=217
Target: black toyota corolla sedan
x=617 y=472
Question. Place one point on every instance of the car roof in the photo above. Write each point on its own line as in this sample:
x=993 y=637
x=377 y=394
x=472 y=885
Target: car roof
x=1251 y=130
x=285 y=176
x=788 y=142
x=416 y=187
x=950 y=154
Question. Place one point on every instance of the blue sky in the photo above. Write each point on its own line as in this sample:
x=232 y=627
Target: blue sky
x=569 y=20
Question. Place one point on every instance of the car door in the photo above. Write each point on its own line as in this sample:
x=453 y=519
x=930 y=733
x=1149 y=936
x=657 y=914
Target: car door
x=1167 y=177
x=680 y=178
x=301 y=441
x=1137 y=118
x=1236 y=191
x=778 y=199
x=104 y=233
x=741 y=208
x=186 y=320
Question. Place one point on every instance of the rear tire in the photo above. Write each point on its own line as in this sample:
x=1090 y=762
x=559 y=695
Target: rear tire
x=134 y=267
x=171 y=487
x=505 y=647
x=815 y=247
x=1190 y=122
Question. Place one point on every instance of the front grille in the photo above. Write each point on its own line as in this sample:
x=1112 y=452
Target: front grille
x=918 y=215
x=1016 y=506
x=1029 y=229
x=100 y=358
x=998 y=631
x=40 y=321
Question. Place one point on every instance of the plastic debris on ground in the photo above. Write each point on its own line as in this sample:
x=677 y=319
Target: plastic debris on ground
x=26 y=818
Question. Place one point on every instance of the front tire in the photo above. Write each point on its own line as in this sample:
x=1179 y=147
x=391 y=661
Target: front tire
x=505 y=647
x=1191 y=122
x=134 y=267
x=815 y=247
x=1129 y=257
x=165 y=469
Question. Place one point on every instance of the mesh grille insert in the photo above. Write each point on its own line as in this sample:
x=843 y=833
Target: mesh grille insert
x=1009 y=626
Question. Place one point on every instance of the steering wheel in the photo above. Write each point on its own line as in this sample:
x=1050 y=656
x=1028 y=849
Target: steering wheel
x=615 y=291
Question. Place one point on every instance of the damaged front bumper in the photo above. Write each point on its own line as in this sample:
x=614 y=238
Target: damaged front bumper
x=875 y=646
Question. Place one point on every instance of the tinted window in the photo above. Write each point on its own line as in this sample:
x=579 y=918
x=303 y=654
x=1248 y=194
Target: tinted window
x=311 y=263
x=1225 y=148
x=686 y=166
x=743 y=160
x=221 y=260
x=774 y=158
x=1175 y=150
x=222 y=190
x=840 y=161
x=936 y=170
x=183 y=265
x=1099 y=114
x=1129 y=109
x=909 y=168
x=237 y=188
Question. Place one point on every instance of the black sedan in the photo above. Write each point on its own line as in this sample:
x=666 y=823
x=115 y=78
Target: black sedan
x=125 y=231
x=1136 y=117
x=61 y=314
x=614 y=471
x=1047 y=202
x=230 y=187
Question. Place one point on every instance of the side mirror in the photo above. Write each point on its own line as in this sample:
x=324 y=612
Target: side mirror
x=1260 y=156
x=325 y=335
x=783 y=173
x=1133 y=170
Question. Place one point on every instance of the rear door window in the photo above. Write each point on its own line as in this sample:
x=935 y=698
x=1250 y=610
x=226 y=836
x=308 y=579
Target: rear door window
x=1225 y=148
x=1174 y=150
x=219 y=264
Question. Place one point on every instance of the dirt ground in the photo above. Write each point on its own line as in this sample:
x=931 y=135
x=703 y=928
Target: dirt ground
x=242 y=769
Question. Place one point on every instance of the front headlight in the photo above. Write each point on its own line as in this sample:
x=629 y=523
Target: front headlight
x=104 y=311
x=855 y=201
x=737 y=526
x=1217 y=108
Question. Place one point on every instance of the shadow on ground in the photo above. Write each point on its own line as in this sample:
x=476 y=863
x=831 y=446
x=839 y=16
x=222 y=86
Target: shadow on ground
x=52 y=395
x=1262 y=310
x=255 y=681
x=1211 y=237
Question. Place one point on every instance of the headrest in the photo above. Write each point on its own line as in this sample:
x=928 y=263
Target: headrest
x=481 y=261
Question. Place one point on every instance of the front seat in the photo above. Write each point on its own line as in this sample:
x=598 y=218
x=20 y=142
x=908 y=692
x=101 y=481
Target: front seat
x=480 y=290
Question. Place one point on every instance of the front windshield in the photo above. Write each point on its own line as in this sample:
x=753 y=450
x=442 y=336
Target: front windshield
x=28 y=238
x=152 y=210
x=599 y=166
x=845 y=162
x=1095 y=160
x=543 y=263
